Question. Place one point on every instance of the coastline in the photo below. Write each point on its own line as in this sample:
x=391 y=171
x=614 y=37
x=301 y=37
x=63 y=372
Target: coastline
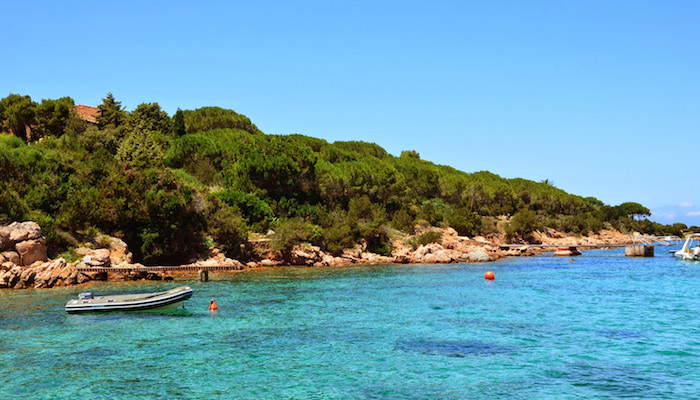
x=30 y=268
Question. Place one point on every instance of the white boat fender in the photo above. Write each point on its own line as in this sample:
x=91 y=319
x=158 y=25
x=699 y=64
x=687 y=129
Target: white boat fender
x=85 y=296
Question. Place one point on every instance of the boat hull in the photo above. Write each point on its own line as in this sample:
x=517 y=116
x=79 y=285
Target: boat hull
x=687 y=256
x=131 y=302
x=690 y=249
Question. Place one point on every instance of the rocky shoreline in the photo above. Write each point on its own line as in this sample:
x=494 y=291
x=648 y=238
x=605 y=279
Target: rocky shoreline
x=24 y=262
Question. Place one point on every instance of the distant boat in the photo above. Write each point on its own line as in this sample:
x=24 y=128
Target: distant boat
x=170 y=299
x=691 y=248
x=566 y=252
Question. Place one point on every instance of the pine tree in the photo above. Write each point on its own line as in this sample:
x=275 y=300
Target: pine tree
x=19 y=114
x=179 y=123
x=149 y=116
x=111 y=112
x=53 y=115
x=140 y=150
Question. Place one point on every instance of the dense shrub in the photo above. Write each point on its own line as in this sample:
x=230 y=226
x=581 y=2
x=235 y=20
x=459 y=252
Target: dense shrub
x=522 y=225
x=226 y=227
x=292 y=232
x=254 y=210
x=208 y=118
x=425 y=238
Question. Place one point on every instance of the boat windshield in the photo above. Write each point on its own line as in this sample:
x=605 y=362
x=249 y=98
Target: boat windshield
x=691 y=242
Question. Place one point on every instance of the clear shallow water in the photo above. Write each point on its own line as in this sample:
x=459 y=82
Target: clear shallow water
x=601 y=327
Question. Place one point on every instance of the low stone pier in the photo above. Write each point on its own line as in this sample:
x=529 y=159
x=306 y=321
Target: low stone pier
x=639 y=251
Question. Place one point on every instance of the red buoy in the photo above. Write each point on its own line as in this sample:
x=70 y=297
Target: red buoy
x=489 y=275
x=213 y=306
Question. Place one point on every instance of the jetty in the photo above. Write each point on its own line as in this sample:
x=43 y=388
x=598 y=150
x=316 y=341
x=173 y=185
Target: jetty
x=202 y=270
x=640 y=246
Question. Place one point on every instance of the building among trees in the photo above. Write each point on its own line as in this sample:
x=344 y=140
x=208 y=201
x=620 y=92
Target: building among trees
x=87 y=113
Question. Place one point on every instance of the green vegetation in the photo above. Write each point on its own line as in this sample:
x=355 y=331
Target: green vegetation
x=171 y=186
x=425 y=238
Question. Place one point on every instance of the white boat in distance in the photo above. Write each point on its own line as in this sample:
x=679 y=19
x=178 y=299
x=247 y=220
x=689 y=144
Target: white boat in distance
x=169 y=299
x=691 y=248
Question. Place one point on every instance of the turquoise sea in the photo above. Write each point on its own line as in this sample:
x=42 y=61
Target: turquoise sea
x=601 y=327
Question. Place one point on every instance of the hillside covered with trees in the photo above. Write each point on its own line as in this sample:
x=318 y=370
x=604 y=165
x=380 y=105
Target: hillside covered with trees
x=172 y=186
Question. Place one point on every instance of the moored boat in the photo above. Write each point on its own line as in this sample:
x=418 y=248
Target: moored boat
x=691 y=248
x=169 y=299
x=566 y=252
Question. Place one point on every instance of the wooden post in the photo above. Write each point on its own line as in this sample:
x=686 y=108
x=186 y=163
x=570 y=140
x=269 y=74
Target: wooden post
x=648 y=251
x=203 y=275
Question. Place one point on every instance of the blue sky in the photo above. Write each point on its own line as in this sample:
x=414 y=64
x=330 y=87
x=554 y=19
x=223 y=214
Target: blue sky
x=600 y=97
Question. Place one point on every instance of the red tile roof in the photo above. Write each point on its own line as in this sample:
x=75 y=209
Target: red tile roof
x=88 y=113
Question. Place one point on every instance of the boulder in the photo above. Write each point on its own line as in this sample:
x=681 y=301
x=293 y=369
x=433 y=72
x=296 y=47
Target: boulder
x=402 y=259
x=68 y=273
x=219 y=261
x=110 y=251
x=231 y=262
x=479 y=256
x=98 y=258
x=32 y=250
x=373 y=258
x=10 y=278
x=459 y=256
x=443 y=257
x=430 y=248
x=4 y=238
x=429 y=258
x=353 y=253
x=307 y=255
x=47 y=273
x=12 y=256
x=327 y=260
x=58 y=273
x=450 y=244
x=118 y=251
x=214 y=252
x=21 y=231
x=26 y=278
x=343 y=260
x=451 y=232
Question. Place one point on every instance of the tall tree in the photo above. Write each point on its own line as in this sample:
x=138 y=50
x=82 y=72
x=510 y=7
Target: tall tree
x=111 y=112
x=179 y=123
x=19 y=114
x=410 y=154
x=53 y=115
x=633 y=210
x=140 y=150
x=149 y=116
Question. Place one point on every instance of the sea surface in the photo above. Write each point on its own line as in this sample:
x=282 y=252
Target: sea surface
x=600 y=327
